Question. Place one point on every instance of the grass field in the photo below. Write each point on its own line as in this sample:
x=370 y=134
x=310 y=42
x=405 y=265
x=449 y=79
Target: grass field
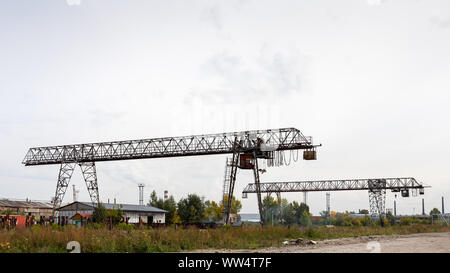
x=48 y=239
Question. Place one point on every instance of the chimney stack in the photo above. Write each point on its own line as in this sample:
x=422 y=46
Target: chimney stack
x=423 y=207
x=141 y=194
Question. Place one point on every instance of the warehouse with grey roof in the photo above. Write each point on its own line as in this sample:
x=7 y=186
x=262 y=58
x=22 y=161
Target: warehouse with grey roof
x=133 y=213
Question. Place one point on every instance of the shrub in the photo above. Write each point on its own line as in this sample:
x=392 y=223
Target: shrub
x=125 y=226
x=312 y=233
x=355 y=221
x=99 y=215
x=98 y=225
x=366 y=221
x=406 y=221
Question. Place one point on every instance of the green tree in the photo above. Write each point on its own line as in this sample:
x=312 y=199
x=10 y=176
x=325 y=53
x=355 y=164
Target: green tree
x=300 y=210
x=325 y=218
x=116 y=214
x=171 y=206
x=434 y=211
x=305 y=219
x=363 y=211
x=213 y=211
x=154 y=201
x=390 y=218
x=236 y=205
x=288 y=213
x=270 y=209
x=191 y=209
x=99 y=215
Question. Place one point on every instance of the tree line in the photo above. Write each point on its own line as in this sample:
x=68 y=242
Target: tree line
x=192 y=209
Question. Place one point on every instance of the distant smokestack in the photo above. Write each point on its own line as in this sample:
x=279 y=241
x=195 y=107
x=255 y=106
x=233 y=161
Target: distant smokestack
x=395 y=208
x=166 y=195
x=74 y=193
x=141 y=194
x=423 y=207
x=327 y=205
x=114 y=201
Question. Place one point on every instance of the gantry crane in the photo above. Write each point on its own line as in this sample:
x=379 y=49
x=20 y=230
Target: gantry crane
x=246 y=148
x=375 y=186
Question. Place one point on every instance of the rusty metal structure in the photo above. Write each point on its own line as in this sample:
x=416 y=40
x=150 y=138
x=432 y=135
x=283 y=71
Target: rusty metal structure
x=375 y=186
x=246 y=147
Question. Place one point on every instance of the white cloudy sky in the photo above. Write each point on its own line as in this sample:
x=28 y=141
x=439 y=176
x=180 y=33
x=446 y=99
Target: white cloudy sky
x=369 y=79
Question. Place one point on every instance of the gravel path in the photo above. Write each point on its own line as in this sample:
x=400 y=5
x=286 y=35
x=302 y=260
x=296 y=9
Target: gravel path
x=412 y=243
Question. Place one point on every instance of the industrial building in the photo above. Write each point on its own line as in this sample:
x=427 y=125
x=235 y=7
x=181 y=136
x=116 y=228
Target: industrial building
x=26 y=207
x=133 y=213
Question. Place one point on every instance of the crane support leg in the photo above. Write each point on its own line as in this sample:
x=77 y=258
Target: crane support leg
x=234 y=166
x=377 y=201
x=278 y=197
x=280 y=205
x=258 y=189
x=65 y=173
x=90 y=177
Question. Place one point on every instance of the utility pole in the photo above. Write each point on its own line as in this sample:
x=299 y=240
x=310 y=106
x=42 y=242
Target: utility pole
x=443 y=207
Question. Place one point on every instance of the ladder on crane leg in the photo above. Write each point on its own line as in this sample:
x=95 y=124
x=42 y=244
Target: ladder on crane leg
x=226 y=183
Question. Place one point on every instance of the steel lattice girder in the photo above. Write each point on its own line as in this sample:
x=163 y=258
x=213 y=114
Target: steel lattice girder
x=377 y=201
x=233 y=172
x=336 y=185
x=274 y=140
x=90 y=177
x=65 y=173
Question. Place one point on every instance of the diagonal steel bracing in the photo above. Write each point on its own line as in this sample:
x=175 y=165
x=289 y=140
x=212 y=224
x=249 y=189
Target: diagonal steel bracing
x=377 y=196
x=65 y=173
x=395 y=184
x=376 y=187
x=273 y=140
x=263 y=144
x=90 y=177
x=258 y=188
x=233 y=172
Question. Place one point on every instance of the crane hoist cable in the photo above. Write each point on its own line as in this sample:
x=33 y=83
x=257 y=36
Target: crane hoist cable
x=293 y=157
x=290 y=157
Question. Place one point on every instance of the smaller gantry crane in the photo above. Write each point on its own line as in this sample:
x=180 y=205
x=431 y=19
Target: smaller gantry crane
x=375 y=186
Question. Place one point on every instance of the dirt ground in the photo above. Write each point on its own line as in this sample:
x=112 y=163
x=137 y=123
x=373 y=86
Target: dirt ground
x=413 y=243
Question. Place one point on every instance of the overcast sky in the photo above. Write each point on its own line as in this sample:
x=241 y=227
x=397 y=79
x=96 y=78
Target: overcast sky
x=369 y=79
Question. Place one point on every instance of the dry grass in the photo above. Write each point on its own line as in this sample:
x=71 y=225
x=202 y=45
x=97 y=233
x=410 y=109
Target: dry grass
x=50 y=239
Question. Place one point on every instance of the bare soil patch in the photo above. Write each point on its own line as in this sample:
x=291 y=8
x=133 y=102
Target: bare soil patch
x=438 y=242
